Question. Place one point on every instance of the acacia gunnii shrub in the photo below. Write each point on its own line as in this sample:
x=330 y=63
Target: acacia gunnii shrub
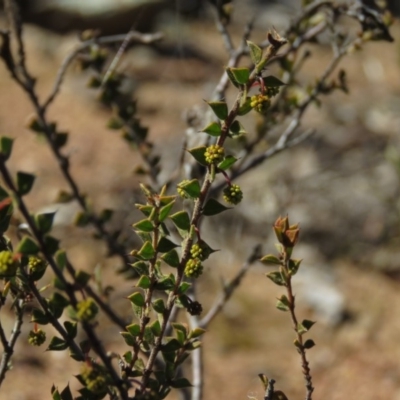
x=173 y=250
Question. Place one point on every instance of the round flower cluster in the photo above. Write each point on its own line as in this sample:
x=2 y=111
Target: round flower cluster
x=95 y=378
x=260 y=103
x=36 y=264
x=196 y=251
x=86 y=310
x=180 y=191
x=194 y=308
x=193 y=268
x=8 y=264
x=272 y=91
x=37 y=337
x=201 y=250
x=233 y=194
x=214 y=154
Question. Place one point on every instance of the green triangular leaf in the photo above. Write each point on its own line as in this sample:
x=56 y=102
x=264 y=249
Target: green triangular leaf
x=237 y=129
x=147 y=251
x=61 y=139
x=39 y=317
x=133 y=329
x=129 y=339
x=145 y=209
x=159 y=306
x=167 y=283
x=184 y=287
x=24 y=182
x=51 y=244
x=213 y=207
x=196 y=332
x=308 y=344
x=71 y=328
x=171 y=258
x=156 y=328
x=144 y=282
x=137 y=299
x=270 y=259
x=294 y=266
x=144 y=225
x=57 y=344
x=227 y=162
x=171 y=345
x=220 y=109
x=66 y=394
x=192 y=188
x=276 y=277
x=164 y=211
x=165 y=245
x=27 y=246
x=82 y=277
x=255 y=52
x=213 y=129
x=6 y=145
x=241 y=75
x=181 y=220
x=283 y=303
x=44 y=221
x=198 y=154
x=272 y=81
x=231 y=77
x=61 y=259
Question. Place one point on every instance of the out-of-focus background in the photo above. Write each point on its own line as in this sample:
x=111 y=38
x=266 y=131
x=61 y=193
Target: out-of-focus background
x=342 y=185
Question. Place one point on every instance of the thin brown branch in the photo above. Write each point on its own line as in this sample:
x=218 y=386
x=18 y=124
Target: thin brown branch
x=96 y=344
x=8 y=345
x=27 y=84
x=300 y=347
x=112 y=243
x=14 y=20
x=236 y=55
x=132 y=36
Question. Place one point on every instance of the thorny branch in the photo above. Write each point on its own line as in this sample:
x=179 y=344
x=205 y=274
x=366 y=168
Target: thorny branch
x=285 y=140
x=300 y=348
x=94 y=340
x=20 y=74
x=8 y=345
x=27 y=83
x=132 y=36
x=276 y=43
x=41 y=109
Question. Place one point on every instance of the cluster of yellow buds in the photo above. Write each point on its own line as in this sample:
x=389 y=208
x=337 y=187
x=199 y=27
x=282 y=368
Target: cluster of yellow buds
x=8 y=264
x=214 y=154
x=193 y=268
x=95 y=378
x=86 y=310
x=36 y=264
x=180 y=191
x=260 y=103
x=36 y=337
x=196 y=251
x=233 y=194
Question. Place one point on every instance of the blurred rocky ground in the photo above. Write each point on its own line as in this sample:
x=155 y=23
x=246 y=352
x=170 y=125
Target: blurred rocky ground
x=342 y=185
x=116 y=16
